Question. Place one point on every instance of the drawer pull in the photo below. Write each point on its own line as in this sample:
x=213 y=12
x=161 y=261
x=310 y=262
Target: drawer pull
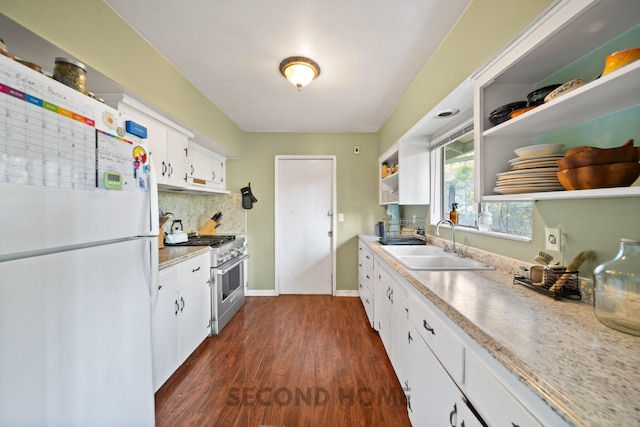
x=177 y=307
x=453 y=416
x=196 y=269
x=428 y=327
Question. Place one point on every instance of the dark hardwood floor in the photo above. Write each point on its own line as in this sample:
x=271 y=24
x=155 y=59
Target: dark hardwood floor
x=287 y=361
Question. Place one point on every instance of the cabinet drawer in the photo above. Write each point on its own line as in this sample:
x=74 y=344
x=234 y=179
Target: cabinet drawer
x=367 y=279
x=438 y=336
x=367 y=302
x=365 y=256
x=192 y=269
x=167 y=282
x=491 y=399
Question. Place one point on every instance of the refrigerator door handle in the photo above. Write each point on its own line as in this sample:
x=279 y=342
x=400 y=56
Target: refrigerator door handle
x=154 y=266
x=153 y=200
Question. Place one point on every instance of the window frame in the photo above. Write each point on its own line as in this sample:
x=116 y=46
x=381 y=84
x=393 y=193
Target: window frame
x=437 y=166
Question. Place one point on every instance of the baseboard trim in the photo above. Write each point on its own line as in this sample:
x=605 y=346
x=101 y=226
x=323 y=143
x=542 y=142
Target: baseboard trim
x=347 y=293
x=260 y=292
x=272 y=293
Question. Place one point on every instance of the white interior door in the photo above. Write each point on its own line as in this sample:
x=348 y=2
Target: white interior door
x=305 y=188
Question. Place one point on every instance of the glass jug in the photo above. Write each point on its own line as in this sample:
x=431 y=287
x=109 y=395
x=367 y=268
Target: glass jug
x=485 y=219
x=617 y=289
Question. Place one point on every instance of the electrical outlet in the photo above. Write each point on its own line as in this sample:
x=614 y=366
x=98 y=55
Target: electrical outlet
x=553 y=239
x=356 y=149
x=340 y=217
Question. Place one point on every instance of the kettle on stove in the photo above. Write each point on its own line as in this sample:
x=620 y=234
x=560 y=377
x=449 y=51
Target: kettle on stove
x=177 y=234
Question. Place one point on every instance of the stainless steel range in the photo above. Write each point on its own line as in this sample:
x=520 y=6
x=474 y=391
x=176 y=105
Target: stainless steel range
x=228 y=275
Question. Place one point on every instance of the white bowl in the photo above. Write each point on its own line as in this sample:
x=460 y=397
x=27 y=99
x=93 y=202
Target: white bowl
x=539 y=150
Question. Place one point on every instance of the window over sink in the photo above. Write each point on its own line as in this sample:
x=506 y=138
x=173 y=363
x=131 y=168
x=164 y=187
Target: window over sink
x=452 y=163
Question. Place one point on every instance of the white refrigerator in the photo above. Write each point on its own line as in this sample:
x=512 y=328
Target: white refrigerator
x=78 y=258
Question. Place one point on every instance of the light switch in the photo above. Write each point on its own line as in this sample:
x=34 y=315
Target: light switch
x=340 y=217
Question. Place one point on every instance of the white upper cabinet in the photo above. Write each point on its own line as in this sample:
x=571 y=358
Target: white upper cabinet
x=179 y=164
x=205 y=169
x=571 y=41
x=404 y=174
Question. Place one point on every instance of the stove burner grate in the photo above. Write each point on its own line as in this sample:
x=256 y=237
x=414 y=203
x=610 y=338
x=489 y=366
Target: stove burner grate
x=212 y=241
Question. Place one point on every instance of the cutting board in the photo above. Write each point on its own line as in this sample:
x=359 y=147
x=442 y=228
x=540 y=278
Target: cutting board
x=209 y=228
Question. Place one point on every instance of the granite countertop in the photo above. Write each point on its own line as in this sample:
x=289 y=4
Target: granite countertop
x=172 y=255
x=586 y=372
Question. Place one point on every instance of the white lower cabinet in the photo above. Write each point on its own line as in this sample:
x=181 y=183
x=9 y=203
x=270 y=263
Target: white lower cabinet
x=439 y=337
x=180 y=321
x=392 y=313
x=434 y=398
x=399 y=331
x=496 y=405
x=449 y=379
x=382 y=311
x=366 y=280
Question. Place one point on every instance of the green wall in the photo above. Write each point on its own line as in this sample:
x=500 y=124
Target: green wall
x=587 y=224
x=91 y=32
x=483 y=29
x=357 y=196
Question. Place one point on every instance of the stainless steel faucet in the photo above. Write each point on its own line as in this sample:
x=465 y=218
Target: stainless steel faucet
x=453 y=233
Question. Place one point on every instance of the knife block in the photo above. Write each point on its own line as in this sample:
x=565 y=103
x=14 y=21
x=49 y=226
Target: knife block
x=208 y=229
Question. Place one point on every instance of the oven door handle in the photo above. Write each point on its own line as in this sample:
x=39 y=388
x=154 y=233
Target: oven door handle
x=227 y=268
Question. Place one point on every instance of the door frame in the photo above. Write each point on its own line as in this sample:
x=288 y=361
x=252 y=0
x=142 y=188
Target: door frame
x=277 y=243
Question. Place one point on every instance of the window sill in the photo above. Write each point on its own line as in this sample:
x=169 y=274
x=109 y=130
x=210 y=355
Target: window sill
x=472 y=230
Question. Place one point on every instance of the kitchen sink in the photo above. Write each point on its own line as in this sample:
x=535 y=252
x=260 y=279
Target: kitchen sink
x=413 y=250
x=433 y=258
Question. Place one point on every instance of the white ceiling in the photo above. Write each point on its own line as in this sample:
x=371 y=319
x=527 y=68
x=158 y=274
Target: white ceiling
x=369 y=52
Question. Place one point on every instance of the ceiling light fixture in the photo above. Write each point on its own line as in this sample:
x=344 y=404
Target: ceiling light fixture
x=300 y=71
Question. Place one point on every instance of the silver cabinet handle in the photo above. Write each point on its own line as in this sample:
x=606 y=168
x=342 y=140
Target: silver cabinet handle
x=177 y=307
x=182 y=300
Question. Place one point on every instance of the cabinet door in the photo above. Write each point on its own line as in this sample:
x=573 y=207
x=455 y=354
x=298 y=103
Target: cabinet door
x=195 y=309
x=492 y=400
x=177 y=157
x=218 y=172
x=199 y=164
x=164 y=339
x=382 y=311
x=399 y=329
x=433 y=396
x=167 y=282
x=429 y=322
x=157 y=137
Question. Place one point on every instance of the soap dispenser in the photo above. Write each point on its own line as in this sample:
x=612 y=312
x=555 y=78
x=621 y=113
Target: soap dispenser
x=453 y=215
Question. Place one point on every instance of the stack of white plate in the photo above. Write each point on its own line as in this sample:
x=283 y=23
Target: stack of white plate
x=535 y=169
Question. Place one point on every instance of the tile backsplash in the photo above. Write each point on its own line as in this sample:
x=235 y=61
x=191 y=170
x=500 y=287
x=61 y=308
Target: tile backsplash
x=195 y=209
